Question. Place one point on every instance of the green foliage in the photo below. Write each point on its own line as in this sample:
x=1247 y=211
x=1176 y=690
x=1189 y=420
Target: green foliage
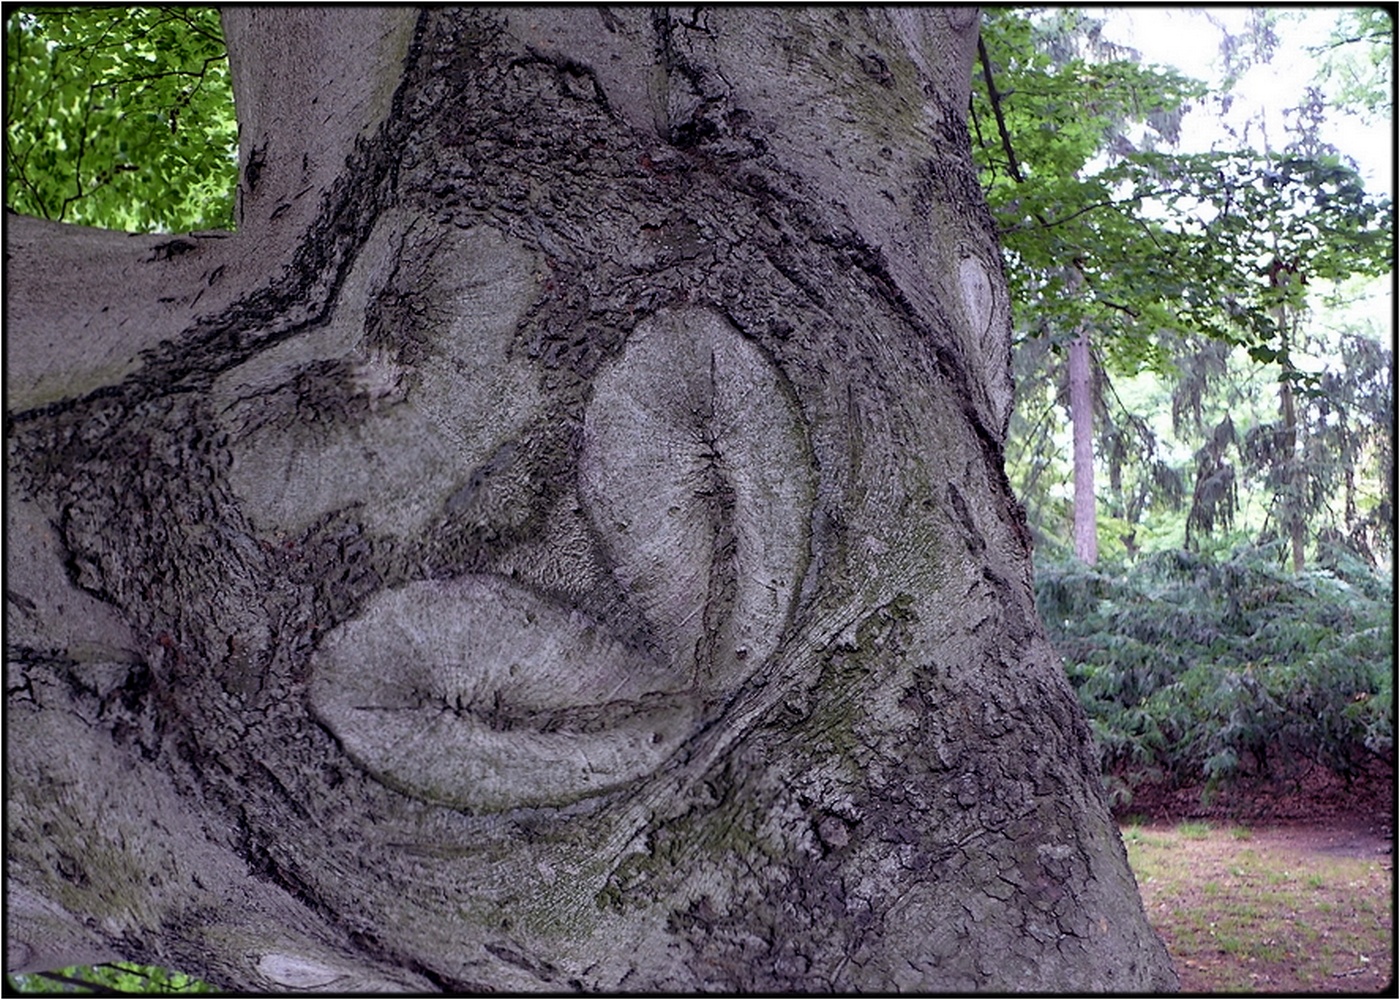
x=1245 y=233
x=1182 y=265
x=1043 y=119
x=119 y=117
x=108 y=979
x=1199 y=669
x=1202 y=460
x=1358 y=60
x=1105 y=230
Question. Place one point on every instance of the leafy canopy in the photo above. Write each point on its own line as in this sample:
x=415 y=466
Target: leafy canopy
x=1358 y=59
x=1104 y=228
x=120 y=117
x=1169 y=260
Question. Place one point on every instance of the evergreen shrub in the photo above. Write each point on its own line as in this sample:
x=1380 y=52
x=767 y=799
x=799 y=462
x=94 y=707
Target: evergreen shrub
x=1198 y=669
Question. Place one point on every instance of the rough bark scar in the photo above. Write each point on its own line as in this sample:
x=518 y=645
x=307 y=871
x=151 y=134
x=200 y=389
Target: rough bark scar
x=448 y=410
x=977 y=294
x=477 y=694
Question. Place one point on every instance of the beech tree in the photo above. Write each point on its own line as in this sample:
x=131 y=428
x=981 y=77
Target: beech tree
x=558 y=541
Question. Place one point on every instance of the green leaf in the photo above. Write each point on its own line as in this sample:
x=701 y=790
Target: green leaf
x=91 y=90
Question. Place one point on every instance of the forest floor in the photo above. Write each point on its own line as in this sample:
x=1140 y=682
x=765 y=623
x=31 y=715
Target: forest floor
x=1272 y=889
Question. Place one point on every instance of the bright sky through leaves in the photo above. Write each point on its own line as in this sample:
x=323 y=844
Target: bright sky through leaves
x=1188 y=39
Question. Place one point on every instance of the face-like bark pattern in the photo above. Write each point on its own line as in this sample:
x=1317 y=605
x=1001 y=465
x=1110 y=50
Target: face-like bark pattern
x=477 y=694
x=695 y=468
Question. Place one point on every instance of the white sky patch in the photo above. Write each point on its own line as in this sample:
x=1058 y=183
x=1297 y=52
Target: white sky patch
x=1188 y=39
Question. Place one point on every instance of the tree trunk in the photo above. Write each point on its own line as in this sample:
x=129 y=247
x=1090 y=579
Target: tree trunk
x=1295 y=478
x=1294 y=475
x=559 y=542
x=1081 y=407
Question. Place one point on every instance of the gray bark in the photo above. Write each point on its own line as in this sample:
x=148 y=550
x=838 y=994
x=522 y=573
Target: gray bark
x=559 y=542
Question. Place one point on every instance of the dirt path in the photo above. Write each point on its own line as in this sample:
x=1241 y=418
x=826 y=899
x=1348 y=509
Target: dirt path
x=1359 y=841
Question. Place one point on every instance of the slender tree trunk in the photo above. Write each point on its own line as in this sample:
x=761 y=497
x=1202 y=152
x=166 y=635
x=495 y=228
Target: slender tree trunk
x=559 y=543
x=1294 y=473
x=1295 y=482
x=1081 y=405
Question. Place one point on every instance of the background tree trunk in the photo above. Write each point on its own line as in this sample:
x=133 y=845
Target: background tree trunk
x=1081 y=405
x=559 y=542
x=1294 y=475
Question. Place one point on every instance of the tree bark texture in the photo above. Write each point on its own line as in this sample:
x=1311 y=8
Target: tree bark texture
x=559 y=542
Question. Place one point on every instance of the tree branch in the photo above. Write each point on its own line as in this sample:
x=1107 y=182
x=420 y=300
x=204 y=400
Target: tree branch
x=1047 y=224
x=994 y=96
x=1375 y=36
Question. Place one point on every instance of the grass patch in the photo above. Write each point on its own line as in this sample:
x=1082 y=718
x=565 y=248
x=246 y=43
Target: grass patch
x=1273 y=916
